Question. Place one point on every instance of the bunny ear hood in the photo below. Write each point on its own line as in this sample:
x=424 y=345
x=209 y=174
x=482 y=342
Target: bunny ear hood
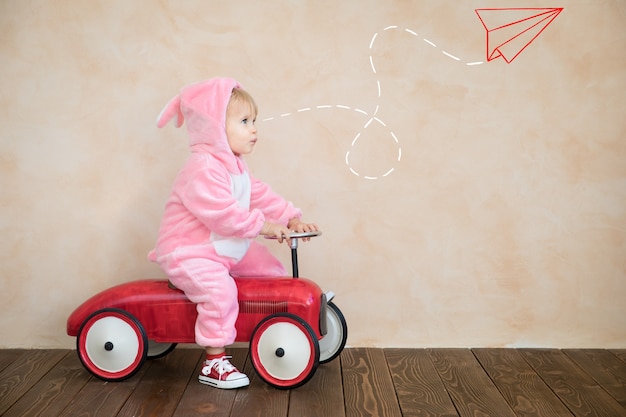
x=202 y=106
x=170 y=110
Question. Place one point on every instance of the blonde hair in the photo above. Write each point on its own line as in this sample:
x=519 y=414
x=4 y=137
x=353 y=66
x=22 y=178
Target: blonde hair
x=242 y=96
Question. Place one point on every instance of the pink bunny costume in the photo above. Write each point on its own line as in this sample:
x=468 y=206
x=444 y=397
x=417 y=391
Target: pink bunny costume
x=214 y=210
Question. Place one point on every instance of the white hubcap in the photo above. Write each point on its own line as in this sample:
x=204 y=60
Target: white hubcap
x=112 y=344
x=284 y=351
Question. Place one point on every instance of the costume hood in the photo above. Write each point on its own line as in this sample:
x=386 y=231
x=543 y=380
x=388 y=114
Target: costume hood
x=203 y=107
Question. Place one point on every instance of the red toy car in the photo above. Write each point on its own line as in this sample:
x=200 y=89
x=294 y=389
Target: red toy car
x=292 y=326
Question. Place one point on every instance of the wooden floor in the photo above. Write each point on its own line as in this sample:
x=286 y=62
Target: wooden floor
x=361 y=382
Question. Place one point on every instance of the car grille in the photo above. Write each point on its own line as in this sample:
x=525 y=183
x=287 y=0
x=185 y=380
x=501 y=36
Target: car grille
x=262 y=307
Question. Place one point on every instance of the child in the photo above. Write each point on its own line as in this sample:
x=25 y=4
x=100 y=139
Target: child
x=214 y=210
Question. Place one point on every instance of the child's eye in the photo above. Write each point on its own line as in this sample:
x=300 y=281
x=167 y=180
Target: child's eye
x=244 y=121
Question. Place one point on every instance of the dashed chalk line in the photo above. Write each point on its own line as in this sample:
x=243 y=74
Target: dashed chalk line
x=372 y=117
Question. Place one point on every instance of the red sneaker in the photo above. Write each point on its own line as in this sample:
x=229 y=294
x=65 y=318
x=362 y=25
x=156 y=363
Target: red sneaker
x=220 y=373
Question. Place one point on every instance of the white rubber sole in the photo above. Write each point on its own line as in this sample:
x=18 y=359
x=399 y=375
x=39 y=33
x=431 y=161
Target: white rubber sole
x=235 y=383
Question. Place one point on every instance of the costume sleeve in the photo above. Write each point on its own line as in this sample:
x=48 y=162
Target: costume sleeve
x=209 y=198
x=275 y=208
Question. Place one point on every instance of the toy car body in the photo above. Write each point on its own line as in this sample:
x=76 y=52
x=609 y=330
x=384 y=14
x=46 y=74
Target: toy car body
x=291 y=325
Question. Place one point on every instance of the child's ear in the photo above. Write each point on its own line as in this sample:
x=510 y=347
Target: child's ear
x=171 y=109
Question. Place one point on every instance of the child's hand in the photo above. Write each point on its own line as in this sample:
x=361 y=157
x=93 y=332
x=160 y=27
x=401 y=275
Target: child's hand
x=278 y=231
x=298 y=226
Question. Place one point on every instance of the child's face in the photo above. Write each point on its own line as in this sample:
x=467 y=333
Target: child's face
x=240 y=129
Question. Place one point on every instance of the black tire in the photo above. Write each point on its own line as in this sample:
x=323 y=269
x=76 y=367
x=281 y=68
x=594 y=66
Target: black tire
x=334 y=341
x=158 y=350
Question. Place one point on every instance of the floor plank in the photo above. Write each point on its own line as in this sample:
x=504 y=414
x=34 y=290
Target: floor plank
x=580 y=393
x=49 y=396
x=419 y=388
x=472 y=391
x=605 y=368
x=20 y=376
x=367 y=384
x=521 y=387
x=620 y=353
x=103 y=399
x=8 y=356
x=259 y=399
x=361 y=382
x=162 y=386
x=322 y=396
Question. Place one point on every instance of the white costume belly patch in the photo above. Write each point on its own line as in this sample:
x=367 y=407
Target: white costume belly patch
x=234 y=247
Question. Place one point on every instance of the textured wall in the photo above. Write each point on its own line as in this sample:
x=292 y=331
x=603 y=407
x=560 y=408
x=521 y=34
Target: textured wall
x=503 y=223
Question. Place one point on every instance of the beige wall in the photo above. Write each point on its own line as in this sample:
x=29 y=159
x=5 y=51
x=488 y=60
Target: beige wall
x=502 y=224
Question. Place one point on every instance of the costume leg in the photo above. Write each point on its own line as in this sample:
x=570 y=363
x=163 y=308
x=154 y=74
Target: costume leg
x=208 y=284
x=258 y=262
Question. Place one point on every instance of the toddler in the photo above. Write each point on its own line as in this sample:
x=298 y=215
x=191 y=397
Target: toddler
x=214 y=211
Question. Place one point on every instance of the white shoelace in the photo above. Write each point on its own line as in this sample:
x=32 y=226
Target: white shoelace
x=223 y=365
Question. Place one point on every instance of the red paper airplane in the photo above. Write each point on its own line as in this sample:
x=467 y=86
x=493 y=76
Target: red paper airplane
x=511 y=30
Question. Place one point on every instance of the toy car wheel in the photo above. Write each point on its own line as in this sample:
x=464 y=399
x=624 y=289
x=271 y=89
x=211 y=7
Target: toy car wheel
x=284 y=350
x=157 y=350
x=112 y=344
x=334 y=341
